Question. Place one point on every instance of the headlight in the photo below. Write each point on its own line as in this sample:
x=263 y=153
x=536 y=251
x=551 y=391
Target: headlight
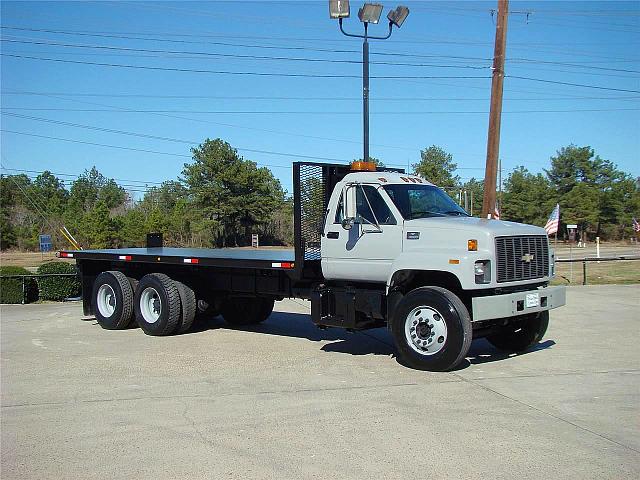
x=482 y=269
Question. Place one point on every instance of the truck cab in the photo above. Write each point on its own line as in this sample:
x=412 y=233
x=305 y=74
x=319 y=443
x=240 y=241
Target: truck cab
x=396 y=236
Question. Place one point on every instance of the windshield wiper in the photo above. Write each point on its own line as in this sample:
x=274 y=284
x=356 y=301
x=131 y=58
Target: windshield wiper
x=457 y=212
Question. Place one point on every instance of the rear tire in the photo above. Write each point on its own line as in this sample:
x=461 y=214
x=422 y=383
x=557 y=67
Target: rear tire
x=246 y=311
x=112 y=300
x=521 y=335
x=432 y=329
x=157 y=304
x=188 y=306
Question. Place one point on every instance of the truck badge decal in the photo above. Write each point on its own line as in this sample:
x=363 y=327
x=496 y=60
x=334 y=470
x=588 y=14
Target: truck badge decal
x=413 y=235
x=527 y=258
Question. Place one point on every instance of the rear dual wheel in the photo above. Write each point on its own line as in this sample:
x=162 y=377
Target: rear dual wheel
x=161 y=306
x=112 y=300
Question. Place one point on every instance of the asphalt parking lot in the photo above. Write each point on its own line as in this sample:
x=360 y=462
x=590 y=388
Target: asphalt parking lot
x=286 y=400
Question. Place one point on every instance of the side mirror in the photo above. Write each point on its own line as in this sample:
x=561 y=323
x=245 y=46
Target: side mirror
x=347 y=223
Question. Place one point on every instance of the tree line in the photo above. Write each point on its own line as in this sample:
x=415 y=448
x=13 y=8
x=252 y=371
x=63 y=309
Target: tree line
x=222 y=198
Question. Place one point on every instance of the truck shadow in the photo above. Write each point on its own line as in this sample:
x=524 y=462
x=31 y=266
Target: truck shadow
x=298 y=325
x=482 y=351
x=376 y=341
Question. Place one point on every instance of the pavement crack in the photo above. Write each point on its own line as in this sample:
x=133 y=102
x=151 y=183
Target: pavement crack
x=544 y=412
x=194 y=425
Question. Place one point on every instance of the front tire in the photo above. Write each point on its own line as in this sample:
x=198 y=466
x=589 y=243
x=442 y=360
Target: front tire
x=157 y=304
x=522 y=334
x=112 y=299
x=432 y=329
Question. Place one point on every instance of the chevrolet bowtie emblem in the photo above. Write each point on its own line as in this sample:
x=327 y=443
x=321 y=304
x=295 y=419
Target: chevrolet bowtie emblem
x=527 y=258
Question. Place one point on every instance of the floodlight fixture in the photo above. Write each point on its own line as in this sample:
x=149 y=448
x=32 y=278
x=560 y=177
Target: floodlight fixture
x=339 y=9
x=370 y=13
x=398 y=16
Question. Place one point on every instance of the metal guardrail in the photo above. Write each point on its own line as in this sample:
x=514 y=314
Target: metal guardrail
x=36 y=275
x=586 y=260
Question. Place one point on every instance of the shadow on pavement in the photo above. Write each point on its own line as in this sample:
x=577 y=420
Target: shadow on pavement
x=482 y=351
x=376 y=341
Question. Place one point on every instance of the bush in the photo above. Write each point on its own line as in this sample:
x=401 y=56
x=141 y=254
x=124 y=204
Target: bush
x=58 y=288
x=11 y=288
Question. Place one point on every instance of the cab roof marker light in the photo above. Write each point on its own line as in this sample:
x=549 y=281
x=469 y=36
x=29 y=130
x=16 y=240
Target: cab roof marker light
x=191 y=260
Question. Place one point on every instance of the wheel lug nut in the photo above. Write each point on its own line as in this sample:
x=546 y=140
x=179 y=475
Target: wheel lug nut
x=415 y=322
x=437 y=317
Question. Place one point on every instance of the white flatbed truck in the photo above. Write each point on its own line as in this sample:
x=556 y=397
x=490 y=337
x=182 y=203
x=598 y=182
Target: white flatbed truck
x=372 y=248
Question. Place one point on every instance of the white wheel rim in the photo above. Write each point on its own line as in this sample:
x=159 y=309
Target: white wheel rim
x=425 y=330
x=150 y=305
x=106 y=300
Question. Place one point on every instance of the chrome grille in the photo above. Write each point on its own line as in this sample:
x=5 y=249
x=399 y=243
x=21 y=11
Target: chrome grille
x=512 y=254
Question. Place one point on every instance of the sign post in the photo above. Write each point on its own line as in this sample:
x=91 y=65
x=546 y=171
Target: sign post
x=572 y=237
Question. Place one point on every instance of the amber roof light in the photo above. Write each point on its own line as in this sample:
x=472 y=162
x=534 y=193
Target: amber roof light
x=360 y=166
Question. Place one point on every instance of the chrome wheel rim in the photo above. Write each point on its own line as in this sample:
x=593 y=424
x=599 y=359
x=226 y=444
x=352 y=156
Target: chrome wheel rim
x=150 y=305
x=106 y=300
x=425 y=330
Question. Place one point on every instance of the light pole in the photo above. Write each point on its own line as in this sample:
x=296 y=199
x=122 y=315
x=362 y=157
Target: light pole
x=369 y=13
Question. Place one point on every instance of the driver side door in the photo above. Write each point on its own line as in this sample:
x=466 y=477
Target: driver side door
x=367 y=250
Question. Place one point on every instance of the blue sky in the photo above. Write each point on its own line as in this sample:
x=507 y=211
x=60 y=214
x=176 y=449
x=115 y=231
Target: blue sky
x=591 y=44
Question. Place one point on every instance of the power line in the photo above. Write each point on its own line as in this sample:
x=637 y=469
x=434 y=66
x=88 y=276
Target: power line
x=301 y=98
x=234 y=55
x=228 y=72
x=168 y=153
x=40 y=172
x=243 y=127
x=311 y=112
x=573 y=84
x=136 y=36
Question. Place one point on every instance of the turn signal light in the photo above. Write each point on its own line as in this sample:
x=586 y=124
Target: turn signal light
x=359 y=166
x=472 y=245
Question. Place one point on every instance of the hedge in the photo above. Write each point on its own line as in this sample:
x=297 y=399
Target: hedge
x=11 y=288
x=58 y=288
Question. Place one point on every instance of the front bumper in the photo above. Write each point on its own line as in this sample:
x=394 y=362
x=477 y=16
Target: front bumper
x=519 y=303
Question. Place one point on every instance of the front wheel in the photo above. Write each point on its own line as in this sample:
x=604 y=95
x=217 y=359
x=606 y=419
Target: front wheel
x=432 y=329
x=521 y=334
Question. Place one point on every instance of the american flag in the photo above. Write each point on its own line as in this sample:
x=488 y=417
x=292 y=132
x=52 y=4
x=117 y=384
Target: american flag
x=554 y=220
x=636 y=225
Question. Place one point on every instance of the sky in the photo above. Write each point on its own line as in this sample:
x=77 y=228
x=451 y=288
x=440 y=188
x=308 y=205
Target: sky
x=130 y=87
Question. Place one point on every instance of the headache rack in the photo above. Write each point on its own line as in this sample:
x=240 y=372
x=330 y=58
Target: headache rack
x=313 y=184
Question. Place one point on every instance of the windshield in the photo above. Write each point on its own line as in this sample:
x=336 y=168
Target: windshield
x=422 y=201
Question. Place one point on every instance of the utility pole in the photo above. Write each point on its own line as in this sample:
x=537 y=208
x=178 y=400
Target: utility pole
x=495 y=113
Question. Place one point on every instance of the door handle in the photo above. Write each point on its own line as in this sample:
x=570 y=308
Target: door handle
x=333 y=234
